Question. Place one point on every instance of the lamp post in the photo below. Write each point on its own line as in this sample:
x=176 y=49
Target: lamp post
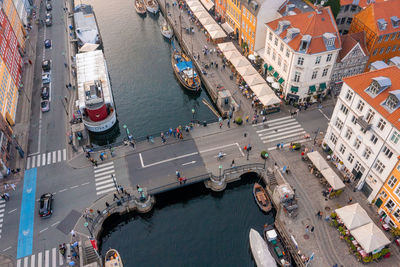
x=127 y=130
x=86 y=224
x=220 y=171
x=193 y=113
x=18 y=147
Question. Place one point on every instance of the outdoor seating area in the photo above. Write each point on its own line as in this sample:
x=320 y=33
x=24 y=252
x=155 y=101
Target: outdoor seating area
x=334 y=185
x=366 y=241
x=252 y=84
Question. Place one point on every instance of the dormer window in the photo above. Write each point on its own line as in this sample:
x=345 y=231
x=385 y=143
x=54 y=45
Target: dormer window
x=393 y=100
x=329 y=40
x=378 y=85
x=395 y=21
x=291 y=33
x=382 y=24
x=282 y=26
x=305 y=43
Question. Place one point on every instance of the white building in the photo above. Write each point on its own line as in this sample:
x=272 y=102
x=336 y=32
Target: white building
x=364 y=131
x=300 y=52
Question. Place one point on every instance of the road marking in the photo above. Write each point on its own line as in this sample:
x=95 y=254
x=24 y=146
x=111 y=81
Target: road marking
x=46 y=258
x=44 y=159
x=187 y=163
x=269 y=121
x=104 y=164
x=28 y=163
x=170 y=159
x=241 y=151
x=103 y=173
x=218 y=148
x=75 y=186
x=286 y=136
x=286 y=145
x=105 y=191
x=33 y=154
x=58 y=155
x=85 y=183
x=33 y=260
x=62 y=190
x=19 y=263
x=326 y=117
x=105 y=186
x=103 y=177
x=54 y=156
x=26 y=262
x=7 y=249
x=104 y=169
x=65 y=154
x=41 y=231
x=40 y=258
x=33 y=161
x=141 y=159
x=54 y=224
x=54 y=257
x=11 y=211
x=278 y=127
x=286 y=131
x=104 y=182
x=48 y=158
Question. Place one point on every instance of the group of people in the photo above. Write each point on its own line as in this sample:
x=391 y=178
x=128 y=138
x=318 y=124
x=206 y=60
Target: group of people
x=180 y=179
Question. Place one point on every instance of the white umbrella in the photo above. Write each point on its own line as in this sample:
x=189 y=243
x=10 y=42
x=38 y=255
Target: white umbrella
x=370 y=237
x=229 y=46
x=270 y=79
x=240 y=62
x=243 y=71
x=253 y=79
x=232 y=54
x=251 y=57
x=275 y=85
x=353 y=216
x=202 y=14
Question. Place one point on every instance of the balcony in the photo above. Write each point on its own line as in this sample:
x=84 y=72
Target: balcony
x=363 y=123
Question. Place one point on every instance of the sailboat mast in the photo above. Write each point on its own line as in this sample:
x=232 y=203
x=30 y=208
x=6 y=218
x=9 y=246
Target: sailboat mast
x=180 y=26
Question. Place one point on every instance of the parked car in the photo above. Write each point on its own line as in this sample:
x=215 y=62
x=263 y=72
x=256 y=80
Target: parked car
x=46 y=205
x=47 y=43
x=48 y=22
x=46 y=79
x=49 y=16
x=46 y=65
x=49 y=7
x=45 y=105
x=45 y=92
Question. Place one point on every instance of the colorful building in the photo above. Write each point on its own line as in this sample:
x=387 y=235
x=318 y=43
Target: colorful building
x=6 y=146
x=16 y=23
x=381 y=24
x=388 y=198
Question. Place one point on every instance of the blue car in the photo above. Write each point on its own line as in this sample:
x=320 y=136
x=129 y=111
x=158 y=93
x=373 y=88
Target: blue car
x=47 y=43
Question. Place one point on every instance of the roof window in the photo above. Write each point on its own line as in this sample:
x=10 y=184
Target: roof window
x=329 y=40
x=291 y=33
x=378 y=85
x=393 y=100
x=305 y=43
x=282 y=26
x=395 y=21
x=382 y=24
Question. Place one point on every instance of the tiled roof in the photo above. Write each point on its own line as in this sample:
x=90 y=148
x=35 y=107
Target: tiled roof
x=362 y=81
x=378 y=11
x=360 y=3
x=314 y=24
x=351 y=40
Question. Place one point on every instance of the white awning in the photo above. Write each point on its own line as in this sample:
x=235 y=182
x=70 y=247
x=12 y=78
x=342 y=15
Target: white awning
x=212 y=27
x=207 y=21
x=254 y=79
x=370 y=237
x=333 y=179
x=261 y=90
x=243 y=71
x=202 y=14
x=269 y=99
x=224 y=47
x=197 y=9
x=217 y=34
x=207 y=4
x=318 y=161
x=353 y=216
x=194 y=3
x=230 y=55
x=240 y=62
x=227 y=27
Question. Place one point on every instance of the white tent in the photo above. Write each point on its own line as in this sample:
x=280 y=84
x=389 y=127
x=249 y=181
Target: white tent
x=197 y=9
x=253 y=79
x=212 y=27
x=207 y=21
x=333 y=179
x=202 y=14
x=227 y=28
x=229 y=55
x=224 y=47
x=353 y=216
x=370 y=237
x=269 y=99
x=270 y=79
x=243 y=71
x=318 y=161
x=207 y=4
x=193 y=4
x=240 y=62
x=217 y=34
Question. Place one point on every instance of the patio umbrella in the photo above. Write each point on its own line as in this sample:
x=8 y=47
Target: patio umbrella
x=370 y=237
x=270 y=79
x=240 y=62
x=202 y=14
x=318 y=161
x=251 y=57
x=333 y=179
x=261 y=89
x=253 y=79
x=275 y=85
x=207 y=21
x=229 y=46
x=353 y=216
x=243 y=71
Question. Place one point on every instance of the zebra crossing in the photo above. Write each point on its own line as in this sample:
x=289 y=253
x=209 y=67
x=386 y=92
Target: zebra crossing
x=103 y=176
x=2 y=209
x=281 y=130
x=50 y=258
x=48 y=158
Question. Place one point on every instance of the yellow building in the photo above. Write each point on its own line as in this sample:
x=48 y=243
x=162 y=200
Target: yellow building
x=388 y=198
x=8 y=95
x=15 y=21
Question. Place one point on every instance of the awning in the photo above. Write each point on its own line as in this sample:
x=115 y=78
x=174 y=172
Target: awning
x=217 y=34
x=253 y=79
x=212 y=27
x=227 y=28
x=270 y=68
x=318 y=161
x=196 y=8
x=312 y=88
x=370 y=237
x=322 y=86
x=269 y=99
x=194 y=3
x=229 y=55
x=281 y=80
x=353 y=216
x=333 y=179
x=261 y=89
x=276 y=74
x=240 y=62
x=265 y=66
x=207 y=4
x=246 y=70
x=201 y=14
x=294 y=88
x=224 y=47
x=206 y=21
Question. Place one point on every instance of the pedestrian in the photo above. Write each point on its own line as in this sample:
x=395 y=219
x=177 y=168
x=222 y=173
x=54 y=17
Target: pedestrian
x=233 y=163
x=121 y=189
x=87 y=154
x=102 y=156
x=350 y=200
x=281 y=145
x=216 y=65
x=115 y=197
x=148 y=138
x=312 y=229
x=137 y=187
x=220 y=124
x=327 y=217
x=107 y=205
x=98 y=212
x=69 y=85
x=13 y=186
x=247 y=119
x=95 y=163
x=229 y=123
x=6 y=187
x=307 y=227
x=178 y=174
x=72 y=233
x=278 y=146
x=66 y=86
x=6 y=196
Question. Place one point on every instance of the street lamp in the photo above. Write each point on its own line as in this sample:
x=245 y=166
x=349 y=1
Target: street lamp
x=86 y=224
x=127 y=131
x=220 y=170
x=193 y=113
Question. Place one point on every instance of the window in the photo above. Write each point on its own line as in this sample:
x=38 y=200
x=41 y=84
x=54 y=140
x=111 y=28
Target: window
x=397 y=212
x=349 y=20
x=287 y=52
x=284 y=66
x=325 y=72
x=388 y=49
x=276 y=41
x=329 y=58
x=380 y=38
x=394 y=48
x=279 y=61
x=381 y=124
x=374 y=139
x=395 y=137
x=387 y=37
x=360 y=105
x=270 y=36
x=342 y=149
x=346 y=8
x=314 y=74
x=388 y=153
x=390 y=204
x=342 y=20
x=391 y=102
x=392 y=181
x=353 y=9
x=300 y=61
x=348 y=134
x=349 y=95
x=339 y=124
x=367 y=153
x=318 y=60
x=383 y=195
x=357 y=143
x=382 y=50
x=350 y=158
x=297 y=76
x=370 y=115
x=268 y=50
x=273 y=56
x=281 y=48
x=375 y=52
x=333 y=138
x=344 y=109
x=354 y=120
x=379 y=166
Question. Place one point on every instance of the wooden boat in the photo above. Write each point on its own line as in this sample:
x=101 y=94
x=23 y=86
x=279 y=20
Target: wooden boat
x=184 y=71
x=140 y=7
x=152 y=6
x=113 y=259
x=276 y=247
x=166 y=29
x=261 y=197
x=259 y=249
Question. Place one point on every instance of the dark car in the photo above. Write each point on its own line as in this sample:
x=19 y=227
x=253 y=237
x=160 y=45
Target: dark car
x=45 y=92
x=49 y=7
x=45 y=105
x=47 y=43
x=49 y=22
x=46 y=205
x=46 y=65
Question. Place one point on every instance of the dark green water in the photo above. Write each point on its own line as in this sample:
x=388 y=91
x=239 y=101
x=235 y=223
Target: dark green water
x=190 y=227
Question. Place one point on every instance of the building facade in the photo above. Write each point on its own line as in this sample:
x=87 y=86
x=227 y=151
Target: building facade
x=364 y=131
x=6 y=144
x=16 y=23
x=388 y=198
x=351 y=60
x=23 y=8
x=300 y=52
x=381 y=24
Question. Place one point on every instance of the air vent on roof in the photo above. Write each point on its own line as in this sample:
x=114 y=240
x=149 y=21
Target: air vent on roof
x=290 y=7
x=382 y=24
x=395 y=21
x=291 y=13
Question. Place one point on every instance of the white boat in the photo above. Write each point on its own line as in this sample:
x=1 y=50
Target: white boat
x=86 y=29
x=113 y=259
x=166 y=29
x=259 y=248
x=152 y=6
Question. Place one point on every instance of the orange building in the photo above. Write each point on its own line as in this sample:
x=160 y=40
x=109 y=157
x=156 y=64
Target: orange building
x=381 y=24
x=220 y=8
x=8 y=94
x=15 y=21
x=388 y=198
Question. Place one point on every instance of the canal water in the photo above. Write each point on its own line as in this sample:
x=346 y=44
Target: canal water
x=148 y=97
x=190 y=227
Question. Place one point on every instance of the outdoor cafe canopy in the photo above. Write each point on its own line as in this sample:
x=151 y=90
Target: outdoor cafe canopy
x=207 y=4
x=225 y=47
x=212 y=27
x=269 y=99
x=370 y=237
x=207 y=21
x=318 y=161
x=197 y=9
x=333 y=179
x=253 y=79
x=353 y=216
x=202 y=14
x=240 y=62
x=243 y=71
x=217 y=34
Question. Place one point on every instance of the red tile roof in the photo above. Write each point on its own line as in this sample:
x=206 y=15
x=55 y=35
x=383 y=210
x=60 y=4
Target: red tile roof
x=310 y=23
x=351 y=40
x=361 y=82
x=361 y=3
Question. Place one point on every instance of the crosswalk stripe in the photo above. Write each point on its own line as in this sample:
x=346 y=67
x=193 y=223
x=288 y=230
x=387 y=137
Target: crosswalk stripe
x=274 y=120
x=105 y=191
x=47 y=258
x=54 y=156
x=2 y=205
x=43 y=159
x=26 y=262
x=54 y=251
x=58 y=155
x=33 y=260
x=64 y=154
x=104 y=182
x=277 y=127
x=38 y=161
x=104 y=169
x=104 y=164
x=19 y=263
x=48 y=158
x=285 y=137
x=28 y=163
x=33 y=161
x=283 y=133
x=105 y=186
x=107 y=176
x=103 y=173
x=60 y=259
x=40 y=258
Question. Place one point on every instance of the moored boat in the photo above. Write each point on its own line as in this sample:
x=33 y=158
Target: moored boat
x=276 y=247
x=86 y=30
x=184 y=71
x=166 y=29
x=259 y=249
x=152 y=6
x=261 y=198
x=113 y=259
x=140 y=7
